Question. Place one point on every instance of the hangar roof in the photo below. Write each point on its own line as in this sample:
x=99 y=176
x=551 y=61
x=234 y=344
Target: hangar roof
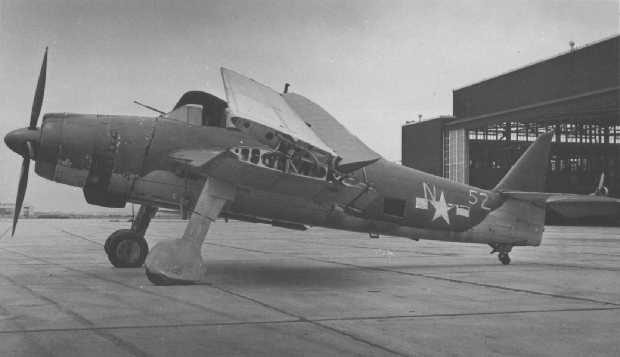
x=582 y=82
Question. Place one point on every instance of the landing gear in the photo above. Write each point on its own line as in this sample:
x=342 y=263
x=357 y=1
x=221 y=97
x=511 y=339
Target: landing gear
x=504 y=258
x=502 y=250
x=179 y=261
x=127 y=248
x=162 y=280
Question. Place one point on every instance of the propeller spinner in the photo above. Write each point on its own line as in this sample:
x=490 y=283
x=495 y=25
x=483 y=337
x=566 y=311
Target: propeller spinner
x=25 y=141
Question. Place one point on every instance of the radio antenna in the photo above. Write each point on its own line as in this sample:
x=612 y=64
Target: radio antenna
x=149 y=107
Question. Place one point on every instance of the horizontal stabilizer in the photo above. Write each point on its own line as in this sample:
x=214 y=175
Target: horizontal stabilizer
x=534 y=197
x=529 y=173
x=580 y=206
x=571 y=205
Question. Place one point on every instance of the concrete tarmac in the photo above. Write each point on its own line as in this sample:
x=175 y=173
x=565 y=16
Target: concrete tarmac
x=271 y=291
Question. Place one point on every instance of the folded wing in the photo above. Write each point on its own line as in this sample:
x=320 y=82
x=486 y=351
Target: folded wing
x=352 y=151
x=262 y=112
x=272 y=117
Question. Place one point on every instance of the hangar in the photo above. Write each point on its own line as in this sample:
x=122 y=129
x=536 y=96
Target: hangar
x=574 y=94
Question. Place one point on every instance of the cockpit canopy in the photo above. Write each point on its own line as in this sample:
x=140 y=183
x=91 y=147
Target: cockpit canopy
x=200 y=108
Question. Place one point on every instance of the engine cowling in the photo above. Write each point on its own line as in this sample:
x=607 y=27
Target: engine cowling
x=101 y=154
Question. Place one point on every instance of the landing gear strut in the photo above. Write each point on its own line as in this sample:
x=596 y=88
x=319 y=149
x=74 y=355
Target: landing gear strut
x=127 y=248
x=502 y=250
x=179 y=261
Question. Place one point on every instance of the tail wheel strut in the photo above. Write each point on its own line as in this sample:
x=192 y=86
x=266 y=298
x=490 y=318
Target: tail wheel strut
x=502 y=250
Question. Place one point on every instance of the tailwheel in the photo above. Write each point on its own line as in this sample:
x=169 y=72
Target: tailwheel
x=502 y=251
x=504 y=258
x=126 y=249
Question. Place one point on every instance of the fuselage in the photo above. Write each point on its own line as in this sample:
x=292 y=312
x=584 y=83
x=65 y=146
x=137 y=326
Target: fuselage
x=119 y=159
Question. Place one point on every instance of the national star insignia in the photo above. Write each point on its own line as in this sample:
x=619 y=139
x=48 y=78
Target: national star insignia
x=441 y=209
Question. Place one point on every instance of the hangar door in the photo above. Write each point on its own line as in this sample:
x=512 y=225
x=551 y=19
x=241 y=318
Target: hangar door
x=456 y=155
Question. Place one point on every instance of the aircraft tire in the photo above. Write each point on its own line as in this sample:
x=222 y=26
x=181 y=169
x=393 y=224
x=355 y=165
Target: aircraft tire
x=504 y=258
x=125 y=249
x=114 y=236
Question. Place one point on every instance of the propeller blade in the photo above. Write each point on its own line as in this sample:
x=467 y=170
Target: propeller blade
x=21 y=189
x=38 y=94
x=601 y=181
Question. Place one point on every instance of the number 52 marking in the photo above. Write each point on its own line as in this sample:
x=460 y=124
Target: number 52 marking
x=477 y=196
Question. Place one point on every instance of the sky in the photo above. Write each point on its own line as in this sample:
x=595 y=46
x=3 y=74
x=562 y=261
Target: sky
x=372 y=64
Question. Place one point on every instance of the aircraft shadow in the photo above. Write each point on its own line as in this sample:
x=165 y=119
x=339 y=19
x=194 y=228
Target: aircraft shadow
x=286 y=275
x=278 y=274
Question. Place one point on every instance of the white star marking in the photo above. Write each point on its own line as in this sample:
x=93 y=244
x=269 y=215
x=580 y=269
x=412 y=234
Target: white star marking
x=441 y=209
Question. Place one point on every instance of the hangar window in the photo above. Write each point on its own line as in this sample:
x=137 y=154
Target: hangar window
x=394 y=207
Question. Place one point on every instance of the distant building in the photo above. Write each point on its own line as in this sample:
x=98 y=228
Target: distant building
x=575 y=94
x=7 y=209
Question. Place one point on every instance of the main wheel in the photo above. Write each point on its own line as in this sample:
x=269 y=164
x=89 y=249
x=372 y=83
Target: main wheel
x=114 y=237
x=126 y=249
x=504 y=258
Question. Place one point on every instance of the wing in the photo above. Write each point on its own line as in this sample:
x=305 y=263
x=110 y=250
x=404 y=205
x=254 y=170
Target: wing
x=259 y=110
x=352 y=151
x=225 y=165
x=201 y=160
x=572 y=205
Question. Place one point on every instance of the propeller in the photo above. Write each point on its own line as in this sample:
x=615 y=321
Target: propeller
x=601 y=190
x=23 y=141
x=38 y=94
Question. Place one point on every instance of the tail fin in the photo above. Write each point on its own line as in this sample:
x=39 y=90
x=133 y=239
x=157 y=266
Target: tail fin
x=530 y=171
